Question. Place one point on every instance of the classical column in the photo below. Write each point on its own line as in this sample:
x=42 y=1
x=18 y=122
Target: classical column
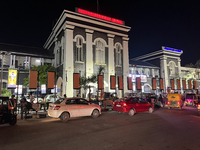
x=125 y=63
x=164 y=71
x=111 y=63
x=89 y=52
x=68 y=64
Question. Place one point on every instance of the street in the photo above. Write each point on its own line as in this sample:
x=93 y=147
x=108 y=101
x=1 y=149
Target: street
x=172 y=129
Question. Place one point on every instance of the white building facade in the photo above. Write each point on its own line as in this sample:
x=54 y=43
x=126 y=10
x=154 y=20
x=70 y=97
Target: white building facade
x=81 y=42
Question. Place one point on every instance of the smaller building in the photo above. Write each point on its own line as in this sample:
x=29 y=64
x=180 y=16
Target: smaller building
x=147 y=72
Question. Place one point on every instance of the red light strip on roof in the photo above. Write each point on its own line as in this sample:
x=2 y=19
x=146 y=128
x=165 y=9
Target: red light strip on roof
x=85 y=12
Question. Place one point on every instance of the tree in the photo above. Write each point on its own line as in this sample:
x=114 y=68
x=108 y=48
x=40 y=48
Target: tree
x=85 y=81
x=5 y=92
x=42 y=71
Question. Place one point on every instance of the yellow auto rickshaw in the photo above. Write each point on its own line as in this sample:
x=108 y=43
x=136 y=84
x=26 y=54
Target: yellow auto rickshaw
x=174 y=100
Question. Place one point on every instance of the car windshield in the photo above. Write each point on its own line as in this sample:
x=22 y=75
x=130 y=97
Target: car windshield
x=59 y=101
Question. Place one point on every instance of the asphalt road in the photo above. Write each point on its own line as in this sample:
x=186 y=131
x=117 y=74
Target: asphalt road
x=162 y=130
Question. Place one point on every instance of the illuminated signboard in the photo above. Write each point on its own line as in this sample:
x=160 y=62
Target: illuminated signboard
x=143 y=77
x=12 y=78
x=171 y=49
x=85 y=12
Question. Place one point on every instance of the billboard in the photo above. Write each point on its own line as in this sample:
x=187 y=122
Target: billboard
x=12 y=78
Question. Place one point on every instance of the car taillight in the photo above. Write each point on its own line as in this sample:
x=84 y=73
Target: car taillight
x=124 y=104
x=113 y=103
x=168 y=102
x=178 y=103
x=198 y=105
x=56 y=107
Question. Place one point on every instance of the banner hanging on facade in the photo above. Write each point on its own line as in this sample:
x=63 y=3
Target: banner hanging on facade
x=100 y=82
x=120 y=83
x=161 y=84
x=189 y=84
x=178 y=84
x=76 y=81
x=112 y=82
x=12 y=78
x=33 y=80
x=172 y=84
x=184 y=85
x=50 y=80
x=195 y=85
x=154 y=83
x=138 y=83
x=130 y=85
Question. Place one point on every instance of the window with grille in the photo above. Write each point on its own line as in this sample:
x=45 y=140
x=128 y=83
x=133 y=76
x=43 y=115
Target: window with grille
x=100 y=52
x=79 y=49
x=118 y=55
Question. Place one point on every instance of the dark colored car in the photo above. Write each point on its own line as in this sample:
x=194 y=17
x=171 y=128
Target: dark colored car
x=133 y=105
x=7 y=115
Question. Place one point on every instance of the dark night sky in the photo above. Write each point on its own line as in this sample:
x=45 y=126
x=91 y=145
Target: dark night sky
x=154 y=23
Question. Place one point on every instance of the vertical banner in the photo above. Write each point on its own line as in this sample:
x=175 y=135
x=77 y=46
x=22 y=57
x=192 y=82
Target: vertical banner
x=130 y=84
x=184 y=85
x=154 y=83
x=33 y=80
x=100 y=82
x=178 y=84
x=43 y=88
x=120 y=83
x=76 y=81
x=138 y=83
x=12 y=78
x=195 y=85
x=161 y=84
x=50 y=80
x=189 y=84
x=172 y=84
x=112 y=82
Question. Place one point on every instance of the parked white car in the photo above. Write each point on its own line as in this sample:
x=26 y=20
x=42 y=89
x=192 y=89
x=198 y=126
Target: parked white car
x=51 y=98
x=73 y=107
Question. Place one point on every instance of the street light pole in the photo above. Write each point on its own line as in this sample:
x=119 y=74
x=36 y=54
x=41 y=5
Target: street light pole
x=3 y=53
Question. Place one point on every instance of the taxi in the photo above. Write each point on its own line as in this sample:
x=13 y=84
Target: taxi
x=174 y=100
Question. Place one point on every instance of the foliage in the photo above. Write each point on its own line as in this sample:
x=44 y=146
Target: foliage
x=42 y=71
x=5 y=92
x=84 y=81
x=190 y=65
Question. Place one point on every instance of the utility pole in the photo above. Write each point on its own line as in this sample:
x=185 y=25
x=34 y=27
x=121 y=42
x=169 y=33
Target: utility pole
x=97 y=6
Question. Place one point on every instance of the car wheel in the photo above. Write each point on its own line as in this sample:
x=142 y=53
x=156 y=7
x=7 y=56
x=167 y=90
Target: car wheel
x=131 y=112
x=95 y=113
x=64 y=117
x=13 y=121
x=150 y=110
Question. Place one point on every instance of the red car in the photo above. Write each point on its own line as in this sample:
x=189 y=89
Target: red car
x=133 y=105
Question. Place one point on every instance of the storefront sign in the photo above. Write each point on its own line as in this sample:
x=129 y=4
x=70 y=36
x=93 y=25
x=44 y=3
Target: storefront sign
x=12 y=78
x=143 y=77
x=171 y=49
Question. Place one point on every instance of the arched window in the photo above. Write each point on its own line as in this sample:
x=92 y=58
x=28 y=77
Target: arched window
x=100 y=52
x=172 y=68
x=79 y=49
x=118 y=55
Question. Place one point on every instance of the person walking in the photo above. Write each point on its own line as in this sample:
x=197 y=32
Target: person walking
x=23 y=109
x=14 y=102
x=160 y=99
x=65 y=96
x=31 y=98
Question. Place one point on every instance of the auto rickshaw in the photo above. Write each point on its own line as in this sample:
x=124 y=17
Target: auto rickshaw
x=174 y=100
x=7 y=114
x=191 y=99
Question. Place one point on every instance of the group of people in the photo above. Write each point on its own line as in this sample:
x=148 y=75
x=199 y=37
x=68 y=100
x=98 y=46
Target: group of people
x=154 y=100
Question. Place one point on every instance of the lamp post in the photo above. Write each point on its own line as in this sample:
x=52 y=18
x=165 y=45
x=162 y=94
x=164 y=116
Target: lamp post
x=2 y=54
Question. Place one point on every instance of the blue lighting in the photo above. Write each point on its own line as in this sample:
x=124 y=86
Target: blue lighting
x=171 y=49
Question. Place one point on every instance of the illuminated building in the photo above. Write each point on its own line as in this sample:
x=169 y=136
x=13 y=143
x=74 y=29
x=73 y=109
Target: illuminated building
x=82 y=41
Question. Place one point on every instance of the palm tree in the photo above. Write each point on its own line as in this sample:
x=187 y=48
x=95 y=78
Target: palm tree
x=85 y=81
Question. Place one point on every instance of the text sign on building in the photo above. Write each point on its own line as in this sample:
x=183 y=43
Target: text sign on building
x=43 y=88
x=88 y=13
x=12 y=78
x=143 y=77
x=19 y=89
